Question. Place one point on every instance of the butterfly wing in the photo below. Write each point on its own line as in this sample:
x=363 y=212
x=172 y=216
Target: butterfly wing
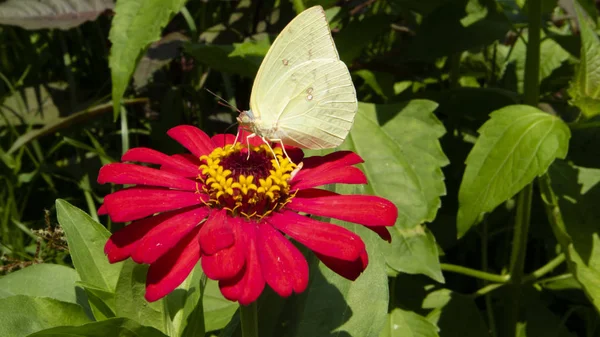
x=302 y=89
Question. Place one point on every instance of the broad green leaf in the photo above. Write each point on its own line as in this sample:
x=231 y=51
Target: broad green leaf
x=403 y=161
x=218 y=311
x=552 y=55
x=414 y=251
x=136 y=24
x=86 y=239
x=31 y=105
x=381 y=83
x=578 y=192
x=101 y=302
x=114 y=327
x=585 y=89
x=333 y=305
x=455 y=314
x=240 y=58
x=129 y=297
x=184 y=311
x=42 y=280
x=22 y=315
x=517 y=144
x=401 y=323
x=43 y=14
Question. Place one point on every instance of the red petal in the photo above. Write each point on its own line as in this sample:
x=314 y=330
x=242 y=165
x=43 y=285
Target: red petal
x=316 y=177
x=324 y=238
x=333 y=160
x=249 y=284
x=102 y=210
x=138 y=202
x=348 y=269
x=216 y=233
x=119 y=173
x=169 y=271
x=223 y=139
x=121 y=244
x=146 y=155
x=167 y=234
x=227 y=262
x=284 y=268
x=186 y=172
x=193 y=139
x=361 y=209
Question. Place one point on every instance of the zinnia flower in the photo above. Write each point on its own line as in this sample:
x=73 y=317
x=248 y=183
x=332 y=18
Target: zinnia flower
x=234 y=208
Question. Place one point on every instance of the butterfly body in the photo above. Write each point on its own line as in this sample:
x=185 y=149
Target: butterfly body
x=303 y=94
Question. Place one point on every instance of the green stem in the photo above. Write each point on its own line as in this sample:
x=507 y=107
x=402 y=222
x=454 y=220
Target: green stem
x=475 y=273
x=561 y=277
x=517 y=257
x=485 y=291
x=545 y=269
x=189 y=19
x=249 y=319
x=531 y=81
x=489 y=309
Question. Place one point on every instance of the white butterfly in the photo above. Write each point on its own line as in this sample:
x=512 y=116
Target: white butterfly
x=303 y=94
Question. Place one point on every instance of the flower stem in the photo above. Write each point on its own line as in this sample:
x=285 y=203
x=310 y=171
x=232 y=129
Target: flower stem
x=545 y=269
x=475 y=273
x=249 y=319
x=517 y=257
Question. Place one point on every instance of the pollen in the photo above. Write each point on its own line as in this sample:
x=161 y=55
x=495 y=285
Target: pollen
x=251 y=186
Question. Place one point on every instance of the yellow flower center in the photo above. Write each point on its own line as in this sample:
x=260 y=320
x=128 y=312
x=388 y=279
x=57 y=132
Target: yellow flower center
x=246 y=183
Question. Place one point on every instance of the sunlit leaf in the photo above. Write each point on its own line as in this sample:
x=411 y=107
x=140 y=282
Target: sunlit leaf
x=585 y=89
x=136 y=24
x=86 y=239
x=22 y=315
x=112 y=327
x=184 y=307
x=217 y=309
x=578 y=192
x=43 y=280
x=129 y=297
x=517 y=144
x=401 y=323
x=61 y=14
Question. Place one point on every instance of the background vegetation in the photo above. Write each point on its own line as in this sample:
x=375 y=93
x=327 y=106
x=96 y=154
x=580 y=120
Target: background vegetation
x=76 y=91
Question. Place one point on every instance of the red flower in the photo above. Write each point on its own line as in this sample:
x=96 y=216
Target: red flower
x=231 y=209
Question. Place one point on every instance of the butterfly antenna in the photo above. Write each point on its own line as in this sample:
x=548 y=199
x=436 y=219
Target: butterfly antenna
x=222 y=101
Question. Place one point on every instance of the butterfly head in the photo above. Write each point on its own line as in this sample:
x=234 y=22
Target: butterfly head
x=247 y=120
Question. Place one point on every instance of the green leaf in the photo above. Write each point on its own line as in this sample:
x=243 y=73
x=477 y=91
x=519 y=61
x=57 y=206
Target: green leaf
x=86 y=239
x=578 y=192
x=218 y=311
x=129 y=297
x=240 y=58
x=401 y=323
x=414 y=251
x=517 y=144
x=585 y=89
x=136 y=24
x=114 y=327
x=403 y=161
x=184 y=307
x=22 y=315
x=335 y=305
x=44 y=14
x=42 y=280
x=381 y=83
x=455 y=314
x=552 y=55
x=101 y=302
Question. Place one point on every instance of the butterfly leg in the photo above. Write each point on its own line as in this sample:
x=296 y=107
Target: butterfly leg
x=237 y=135
x=270 y=148
x=283 y=148
x=248 y=141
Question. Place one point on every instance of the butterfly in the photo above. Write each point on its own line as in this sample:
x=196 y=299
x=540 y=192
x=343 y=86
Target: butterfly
x=303 y=94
